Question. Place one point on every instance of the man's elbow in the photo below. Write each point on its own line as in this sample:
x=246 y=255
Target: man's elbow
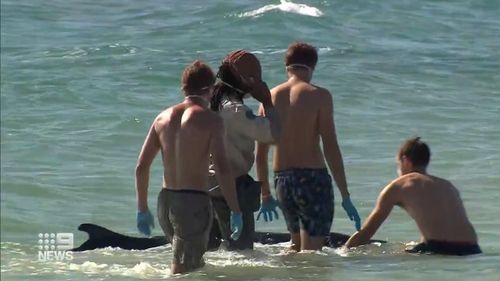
x=141 y=168
x=332 y=151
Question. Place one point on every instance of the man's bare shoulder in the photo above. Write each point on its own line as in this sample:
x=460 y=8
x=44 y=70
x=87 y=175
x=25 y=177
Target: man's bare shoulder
x=438 y=179
x=408 y=180
x=167 y=113
x=176 y=112
x=281 y=88
x=163 y=119
x=395 y=184
x=163 y=115
x=415 y=179
x=319 y=89
x=443 y=183
x=301 y=87
x=393 y=192
x=323 y=94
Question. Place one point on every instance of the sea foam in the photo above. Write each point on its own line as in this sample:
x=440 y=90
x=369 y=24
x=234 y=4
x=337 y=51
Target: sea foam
x=287 y=7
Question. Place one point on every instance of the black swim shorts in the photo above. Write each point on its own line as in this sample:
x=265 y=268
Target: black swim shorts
x=445 y=248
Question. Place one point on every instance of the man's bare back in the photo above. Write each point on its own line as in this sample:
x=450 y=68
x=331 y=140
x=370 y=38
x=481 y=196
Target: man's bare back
x=435 y=205
x=185 y=132
x=299 y=105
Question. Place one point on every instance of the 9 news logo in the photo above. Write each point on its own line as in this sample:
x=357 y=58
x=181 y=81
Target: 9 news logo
x=55 y=246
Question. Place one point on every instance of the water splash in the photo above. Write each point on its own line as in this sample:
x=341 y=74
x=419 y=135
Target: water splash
x=287 y=7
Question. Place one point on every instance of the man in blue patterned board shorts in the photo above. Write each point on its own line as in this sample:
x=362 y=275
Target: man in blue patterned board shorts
x=306 y=199
x=303 y=186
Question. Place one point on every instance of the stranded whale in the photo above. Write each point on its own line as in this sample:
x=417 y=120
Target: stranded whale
x=100 y=237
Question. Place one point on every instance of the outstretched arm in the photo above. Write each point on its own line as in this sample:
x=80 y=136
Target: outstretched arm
x=146 y=156
x=385 y=202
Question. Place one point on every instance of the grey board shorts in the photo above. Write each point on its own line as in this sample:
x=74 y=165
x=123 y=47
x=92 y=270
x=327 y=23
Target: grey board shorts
x=186 y=218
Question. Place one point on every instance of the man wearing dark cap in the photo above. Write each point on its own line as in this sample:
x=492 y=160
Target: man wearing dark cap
x=240 y=76
x=187 y=134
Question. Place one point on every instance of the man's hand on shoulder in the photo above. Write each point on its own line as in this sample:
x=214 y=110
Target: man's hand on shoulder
x=260 y=91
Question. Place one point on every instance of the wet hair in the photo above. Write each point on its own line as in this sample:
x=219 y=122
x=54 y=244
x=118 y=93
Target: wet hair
x=197 y=77
x=416 y=151
x=222 y=90
x=301 y=53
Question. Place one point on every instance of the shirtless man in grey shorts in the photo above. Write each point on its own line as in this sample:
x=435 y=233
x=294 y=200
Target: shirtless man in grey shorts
x=187 y=133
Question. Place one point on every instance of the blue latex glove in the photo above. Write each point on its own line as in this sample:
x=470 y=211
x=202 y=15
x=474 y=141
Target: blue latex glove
x=268 y=208
x=236 y=225
x=145 y=222
x=351 y=211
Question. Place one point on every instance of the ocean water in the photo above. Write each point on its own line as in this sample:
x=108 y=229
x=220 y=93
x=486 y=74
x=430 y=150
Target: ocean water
x=82 y=80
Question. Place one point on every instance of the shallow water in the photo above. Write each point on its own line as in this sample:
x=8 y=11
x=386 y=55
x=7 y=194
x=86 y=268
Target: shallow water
x=82 y=80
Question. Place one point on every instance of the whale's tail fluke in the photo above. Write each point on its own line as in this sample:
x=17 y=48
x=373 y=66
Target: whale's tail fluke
x=100 y=237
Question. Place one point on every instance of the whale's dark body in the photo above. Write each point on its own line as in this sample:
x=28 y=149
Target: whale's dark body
x=100 y=237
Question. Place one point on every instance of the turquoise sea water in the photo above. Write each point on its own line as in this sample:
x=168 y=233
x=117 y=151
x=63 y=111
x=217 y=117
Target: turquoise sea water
x=82 y=80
